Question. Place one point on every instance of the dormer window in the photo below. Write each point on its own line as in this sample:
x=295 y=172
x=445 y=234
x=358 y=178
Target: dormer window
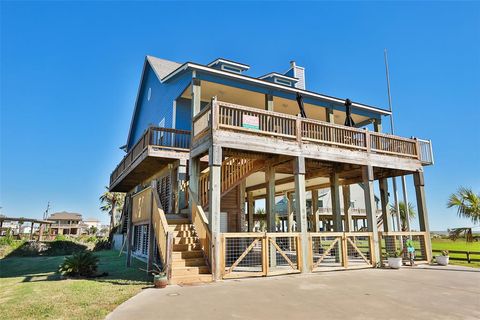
x=280 y=79
x=229 y=66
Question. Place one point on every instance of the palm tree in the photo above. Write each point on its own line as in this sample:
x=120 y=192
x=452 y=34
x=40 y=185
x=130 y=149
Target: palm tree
x=467 y=203
x=403 y=213
x=111 y=203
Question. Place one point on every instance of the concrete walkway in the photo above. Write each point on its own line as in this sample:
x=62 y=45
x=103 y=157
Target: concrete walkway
x=424 y=292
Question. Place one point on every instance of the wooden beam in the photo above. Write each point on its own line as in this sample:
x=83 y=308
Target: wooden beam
x=315 y=220
x=301 y=211
x=370 y=210
x=250 y=210
x=346 y=208
x=270 y=198
x=214 y=203
x=419 y=182
x=268 y=102
x=335 y=194
x=386 y=216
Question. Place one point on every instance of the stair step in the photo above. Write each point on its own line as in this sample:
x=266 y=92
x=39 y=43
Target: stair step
x=199 y=278
x=183 y=271
x=180 y=227
x=183 y=233
x=186 y=247
x=187 y=254
x=185 y=240
x=178 y=221
x=190 y=262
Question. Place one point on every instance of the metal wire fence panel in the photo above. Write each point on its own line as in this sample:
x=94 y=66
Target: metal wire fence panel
x=326 y=251
x=283 y=254
x=359 y=250
x=259 y=254
x=396 y=242
x=243 y=255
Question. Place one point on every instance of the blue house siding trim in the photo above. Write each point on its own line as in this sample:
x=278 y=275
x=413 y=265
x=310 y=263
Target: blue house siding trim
x=160 y=106
x=184 y=114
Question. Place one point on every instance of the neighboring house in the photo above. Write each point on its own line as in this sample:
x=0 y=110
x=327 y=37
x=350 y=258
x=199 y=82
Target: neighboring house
x=92 y=222
x=66 y=223
x=208 y=140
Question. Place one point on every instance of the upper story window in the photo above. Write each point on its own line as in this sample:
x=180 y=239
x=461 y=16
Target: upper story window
x=228 y=65
x=280 y=79
x=149 y=94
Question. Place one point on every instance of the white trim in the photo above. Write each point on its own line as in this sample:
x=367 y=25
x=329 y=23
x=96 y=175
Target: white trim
x=271 y=84
x=232 y=63
x=174 y=115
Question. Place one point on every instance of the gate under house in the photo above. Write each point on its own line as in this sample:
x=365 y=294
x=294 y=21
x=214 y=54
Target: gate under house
x=341 y=250
x=260 y=254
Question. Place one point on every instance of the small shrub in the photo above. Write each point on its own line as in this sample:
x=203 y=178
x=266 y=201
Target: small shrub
x=445 y=253
x=102 y=244
x=59 y=248
x=6 y=240
x=60 y=237
x=83 y=264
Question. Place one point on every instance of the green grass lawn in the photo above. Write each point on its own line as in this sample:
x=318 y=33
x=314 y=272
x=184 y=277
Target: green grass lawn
x=460 y=244
x=31 y=288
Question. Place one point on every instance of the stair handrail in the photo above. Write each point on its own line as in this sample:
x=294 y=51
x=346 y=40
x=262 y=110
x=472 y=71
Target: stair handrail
x=163 y=236
x=201 y=225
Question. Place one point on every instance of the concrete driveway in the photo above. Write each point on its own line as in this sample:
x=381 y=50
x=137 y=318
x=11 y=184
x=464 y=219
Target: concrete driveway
x=424 y=292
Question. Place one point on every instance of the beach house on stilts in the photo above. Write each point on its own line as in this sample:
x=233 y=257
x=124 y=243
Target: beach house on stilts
x=209 y=144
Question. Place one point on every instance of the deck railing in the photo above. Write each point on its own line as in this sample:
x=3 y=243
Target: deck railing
x=234 y=117
x=162 y=138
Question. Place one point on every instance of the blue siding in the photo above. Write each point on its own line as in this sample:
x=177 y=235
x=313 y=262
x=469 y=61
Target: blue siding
x=160 y=106
x=184 y=114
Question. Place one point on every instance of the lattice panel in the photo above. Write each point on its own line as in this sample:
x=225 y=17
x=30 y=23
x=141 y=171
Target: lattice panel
x=243 y=254
x=326 y=251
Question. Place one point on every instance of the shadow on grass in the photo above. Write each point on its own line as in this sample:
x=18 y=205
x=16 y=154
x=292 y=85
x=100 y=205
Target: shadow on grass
x=45 y=268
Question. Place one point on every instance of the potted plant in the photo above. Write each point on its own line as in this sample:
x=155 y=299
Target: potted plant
x=443 y=258
x=394 y=259
x=160 y=279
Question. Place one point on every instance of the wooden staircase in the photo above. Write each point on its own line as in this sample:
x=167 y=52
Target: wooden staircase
x=234 y=170
x=188 y=261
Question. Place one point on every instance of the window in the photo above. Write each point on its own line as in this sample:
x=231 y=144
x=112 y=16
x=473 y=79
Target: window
x=140 y=240
x=231 y=69
x=149 y=94
x=282 y=81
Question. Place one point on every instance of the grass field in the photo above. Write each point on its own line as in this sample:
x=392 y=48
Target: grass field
x=31 y=288
x=460 y=244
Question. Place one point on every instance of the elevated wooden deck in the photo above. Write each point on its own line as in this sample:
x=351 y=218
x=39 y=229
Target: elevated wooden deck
x=156 y=147
x=244 y=128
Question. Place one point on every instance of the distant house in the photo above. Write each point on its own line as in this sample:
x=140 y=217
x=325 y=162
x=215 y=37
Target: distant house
x=66 y=223
x=92 y=222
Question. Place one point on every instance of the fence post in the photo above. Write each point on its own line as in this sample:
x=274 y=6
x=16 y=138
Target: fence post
x=264 y=255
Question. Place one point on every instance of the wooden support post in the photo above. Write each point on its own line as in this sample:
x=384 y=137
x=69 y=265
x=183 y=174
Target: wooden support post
x=196 y=96
x=367 y=175
x=129 y=203
x=386 y=216
x=419 y=182
x=31 y=230
x=329 y=115
x=291 y=211
x=268 y=102
x=335 y=194
x=346 y=208
x=301 y=210
x=241 y=204
x=316 y=218
x=151 y=232
x=214 y=195
x=194 y=174
x=40 y=231
x=181 y=178
x=377 y=125
x=270 y=198
x=250 y=210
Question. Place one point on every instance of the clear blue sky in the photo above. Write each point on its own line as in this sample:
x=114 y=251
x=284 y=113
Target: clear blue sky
x=70 y=73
